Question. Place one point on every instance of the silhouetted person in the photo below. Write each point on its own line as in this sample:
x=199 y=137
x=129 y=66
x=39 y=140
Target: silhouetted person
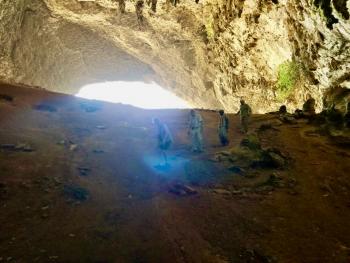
x=164 y=138
x=195 y=131
x=282 y=110
x=175 y=2
x=154 y=5
x=309 y=107
x=223 y=128
x=347 y=116
x=139 y=12
x=244 y=112
x=122 y=6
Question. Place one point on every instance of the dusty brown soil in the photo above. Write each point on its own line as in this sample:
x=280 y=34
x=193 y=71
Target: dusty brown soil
x=129 y=215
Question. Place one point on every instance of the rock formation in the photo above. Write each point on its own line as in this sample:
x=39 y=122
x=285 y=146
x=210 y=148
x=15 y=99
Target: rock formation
x=211 y=54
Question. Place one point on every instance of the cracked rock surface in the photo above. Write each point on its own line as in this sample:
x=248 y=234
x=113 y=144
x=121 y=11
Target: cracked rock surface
x=210 y=54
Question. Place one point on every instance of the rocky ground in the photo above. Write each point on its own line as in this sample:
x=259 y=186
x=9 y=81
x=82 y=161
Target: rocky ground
x=82 y=181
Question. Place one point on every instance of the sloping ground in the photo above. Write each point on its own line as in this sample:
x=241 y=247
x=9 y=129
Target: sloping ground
x=80 y=181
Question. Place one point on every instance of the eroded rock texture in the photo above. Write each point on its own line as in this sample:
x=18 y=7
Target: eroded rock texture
x=211 y=54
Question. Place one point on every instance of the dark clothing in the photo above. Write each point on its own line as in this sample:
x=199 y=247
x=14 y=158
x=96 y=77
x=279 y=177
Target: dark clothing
x=139 y=11
x=309 y=106
x=347 y=120
x=223 y=129
x=122 y=6
x=154 y=6
x=175 y=2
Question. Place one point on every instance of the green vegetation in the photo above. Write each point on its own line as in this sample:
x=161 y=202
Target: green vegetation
x=209 y=27
x=288 y=75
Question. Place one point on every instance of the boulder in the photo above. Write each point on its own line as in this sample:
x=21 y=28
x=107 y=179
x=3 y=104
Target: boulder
x=252 y=142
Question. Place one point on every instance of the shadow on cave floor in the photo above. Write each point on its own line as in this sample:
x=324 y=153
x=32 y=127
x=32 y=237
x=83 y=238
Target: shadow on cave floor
x=80 y=181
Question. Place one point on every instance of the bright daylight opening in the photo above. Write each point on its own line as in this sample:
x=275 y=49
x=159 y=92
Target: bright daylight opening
x=138 y=94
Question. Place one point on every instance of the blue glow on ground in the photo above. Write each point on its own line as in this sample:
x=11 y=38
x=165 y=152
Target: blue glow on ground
x=157 y=164
x=138 y=94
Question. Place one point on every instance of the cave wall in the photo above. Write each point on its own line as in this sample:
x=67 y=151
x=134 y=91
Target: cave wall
x=211 y=54
x=320 y=33
x=249 y=42
x=252 y=38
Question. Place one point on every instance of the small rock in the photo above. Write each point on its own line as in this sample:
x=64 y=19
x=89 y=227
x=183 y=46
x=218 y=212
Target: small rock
x=251 y=141
x=83 y=171
x=181 y=189
x=45 y=207
x=18 y=147
x=292 y=192
x=25 y=185
x=57 y=181
x=237 y=170
x=291 y=182
x=215 y=159
x=76 y=192
x=288 y=119
x=265 y=127
x=222 y=192
x=71 y=235
x=44 y=216
x=45 y=107
x=24 y=147
x=62 y=142
x=6 y=97
x=224 y=153
x=189 y=190
x=177 y=191
x=7 y=146
x=277 y=159
x=73 y=147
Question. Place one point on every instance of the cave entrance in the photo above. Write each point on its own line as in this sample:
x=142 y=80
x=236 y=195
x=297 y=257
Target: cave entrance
x=137 y=93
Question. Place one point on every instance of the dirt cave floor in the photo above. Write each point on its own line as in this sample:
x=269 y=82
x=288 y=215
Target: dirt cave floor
x=83 y=181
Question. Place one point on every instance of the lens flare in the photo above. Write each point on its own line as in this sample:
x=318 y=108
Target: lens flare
x=138 y=94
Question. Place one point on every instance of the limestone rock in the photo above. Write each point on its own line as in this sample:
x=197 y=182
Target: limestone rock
x=210 y=54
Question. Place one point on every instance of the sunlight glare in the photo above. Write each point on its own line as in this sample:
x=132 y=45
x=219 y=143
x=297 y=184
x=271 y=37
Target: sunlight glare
x=138 y=94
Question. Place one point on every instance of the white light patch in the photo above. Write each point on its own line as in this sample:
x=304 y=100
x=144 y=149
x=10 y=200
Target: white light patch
x=138 y=94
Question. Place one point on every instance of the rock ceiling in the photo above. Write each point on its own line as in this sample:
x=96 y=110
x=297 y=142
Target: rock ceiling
x=211 y=54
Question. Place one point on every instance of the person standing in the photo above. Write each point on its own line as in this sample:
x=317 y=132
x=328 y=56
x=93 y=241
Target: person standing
x=154 y=5
x=139 y=12
x=195 y=131
x=347 y=116
x=244 y=112
x=122 y=6
x=164 y=137
x=309 y=107
x=223 y=128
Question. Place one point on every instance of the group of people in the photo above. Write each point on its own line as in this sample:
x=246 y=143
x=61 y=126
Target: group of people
x=195 y=129
x=329 y=114
x=139 y=6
